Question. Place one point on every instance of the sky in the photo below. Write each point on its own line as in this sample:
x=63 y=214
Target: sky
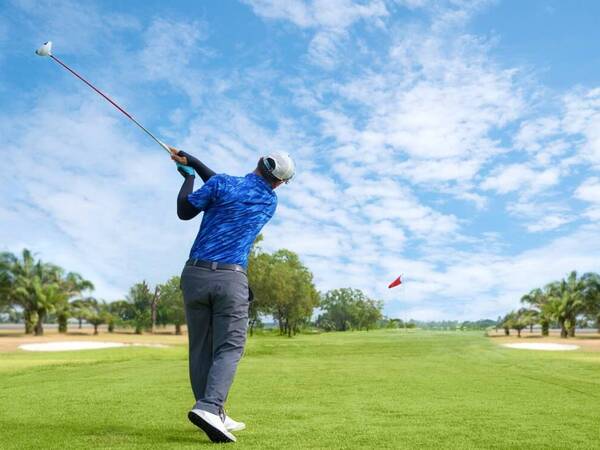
x=455 y=142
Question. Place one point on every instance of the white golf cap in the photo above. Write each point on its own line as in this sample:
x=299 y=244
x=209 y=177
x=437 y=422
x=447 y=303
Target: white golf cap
x=280 y=165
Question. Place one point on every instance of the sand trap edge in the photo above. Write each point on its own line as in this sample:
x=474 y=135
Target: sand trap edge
x=543 y=346
x=66 y=346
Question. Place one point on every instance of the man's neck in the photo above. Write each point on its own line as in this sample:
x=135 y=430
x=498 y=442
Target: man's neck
x=258 y=174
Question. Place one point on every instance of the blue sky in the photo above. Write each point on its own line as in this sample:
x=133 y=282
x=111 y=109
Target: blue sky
x=455 y=142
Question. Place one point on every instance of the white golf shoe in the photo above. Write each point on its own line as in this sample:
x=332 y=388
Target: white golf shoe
x=211 y=424
x=232 y=425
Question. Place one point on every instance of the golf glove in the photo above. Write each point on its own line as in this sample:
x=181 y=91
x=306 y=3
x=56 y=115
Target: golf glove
x=185 y=171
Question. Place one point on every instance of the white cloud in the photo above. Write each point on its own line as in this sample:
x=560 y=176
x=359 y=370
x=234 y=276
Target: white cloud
x=324 y=48
x=532 y=132
x=549 y=222
x=171 y=51
x=589 y=190
x=330 y=19
x=428 y=113
x=297 y=12
x=582 y=117
x=541 y=215
x=520 y=177
x=171 y=46
x=331 y=14
x=570 y=136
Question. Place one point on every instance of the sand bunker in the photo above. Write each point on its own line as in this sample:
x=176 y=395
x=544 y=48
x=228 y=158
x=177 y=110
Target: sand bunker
x=79 y=345
x=549 y=346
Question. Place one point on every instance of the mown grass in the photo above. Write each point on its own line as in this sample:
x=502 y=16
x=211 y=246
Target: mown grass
x=384 y=389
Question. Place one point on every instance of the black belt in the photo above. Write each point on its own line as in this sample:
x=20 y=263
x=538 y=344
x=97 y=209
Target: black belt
x=212 y=265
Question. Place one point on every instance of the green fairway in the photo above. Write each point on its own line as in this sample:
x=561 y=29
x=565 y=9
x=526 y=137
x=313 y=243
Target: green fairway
x=381 y=389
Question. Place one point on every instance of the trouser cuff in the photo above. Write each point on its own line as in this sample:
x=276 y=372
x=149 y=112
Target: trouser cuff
x=213 y=409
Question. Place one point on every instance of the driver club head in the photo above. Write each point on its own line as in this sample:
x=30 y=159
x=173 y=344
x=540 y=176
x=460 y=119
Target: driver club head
x=45 y=50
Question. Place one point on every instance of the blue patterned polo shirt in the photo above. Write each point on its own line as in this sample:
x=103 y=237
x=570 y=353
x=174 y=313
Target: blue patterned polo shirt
x=235 y=210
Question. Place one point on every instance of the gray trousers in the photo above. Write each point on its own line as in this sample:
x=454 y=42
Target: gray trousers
x=216 y=310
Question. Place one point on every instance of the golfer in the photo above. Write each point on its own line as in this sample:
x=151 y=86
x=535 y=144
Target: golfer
x=214 y=282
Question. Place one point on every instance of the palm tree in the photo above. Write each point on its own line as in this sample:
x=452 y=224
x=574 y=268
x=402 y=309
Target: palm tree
x=39 y=288
x=97 y=313
x=53 y=288
x=6 y=278
x=79 y=308
x=110 y=319
x=531 y=317
x=539 y=300
x=72 y=284
x=506 y=323
x=592 y=297
x=568 y=296
x=47 y=295
x=62 y=309
x=18 y=275
x=519 y=320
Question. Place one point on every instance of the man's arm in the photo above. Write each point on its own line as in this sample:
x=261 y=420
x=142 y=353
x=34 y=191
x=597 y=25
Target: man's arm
x=185 y=210
x=190 y=202
x=200 y=168
x=186 y=165
x=188 y=160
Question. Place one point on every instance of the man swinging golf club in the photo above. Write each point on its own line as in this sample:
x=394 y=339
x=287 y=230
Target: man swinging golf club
x=214 y=282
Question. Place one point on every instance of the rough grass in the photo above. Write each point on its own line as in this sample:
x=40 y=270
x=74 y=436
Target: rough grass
x=384 y=389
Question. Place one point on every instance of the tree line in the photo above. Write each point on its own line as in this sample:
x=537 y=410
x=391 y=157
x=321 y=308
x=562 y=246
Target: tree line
x=568 y=303
x=452 y=325
x=36 y=292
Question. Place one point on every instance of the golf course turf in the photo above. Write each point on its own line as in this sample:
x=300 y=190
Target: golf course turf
x=378 y=389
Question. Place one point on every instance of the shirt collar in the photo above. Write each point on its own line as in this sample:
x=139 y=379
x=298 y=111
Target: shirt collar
x=261 y=180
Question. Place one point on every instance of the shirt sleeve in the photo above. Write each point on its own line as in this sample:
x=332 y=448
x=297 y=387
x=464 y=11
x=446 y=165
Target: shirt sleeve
x=205 y=196
x=273 y=207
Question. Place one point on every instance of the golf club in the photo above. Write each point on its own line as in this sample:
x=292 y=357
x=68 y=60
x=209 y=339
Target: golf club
x=46 y=50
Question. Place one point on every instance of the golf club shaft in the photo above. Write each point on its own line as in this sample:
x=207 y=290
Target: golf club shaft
x=162 y=144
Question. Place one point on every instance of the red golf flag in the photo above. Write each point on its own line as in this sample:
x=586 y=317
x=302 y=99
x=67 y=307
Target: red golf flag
x=396 y=282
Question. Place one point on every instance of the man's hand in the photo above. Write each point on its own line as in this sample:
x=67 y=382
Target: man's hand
x=181 y=163
x=175 y=156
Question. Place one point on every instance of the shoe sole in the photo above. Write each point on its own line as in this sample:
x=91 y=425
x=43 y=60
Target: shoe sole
x=214 y=434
